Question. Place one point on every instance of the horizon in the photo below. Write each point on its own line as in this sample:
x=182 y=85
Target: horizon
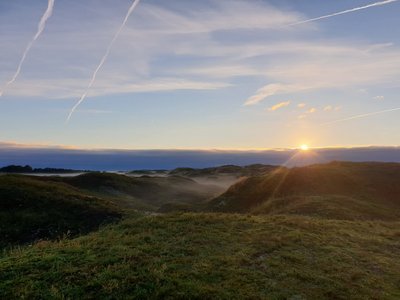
x=134 y=159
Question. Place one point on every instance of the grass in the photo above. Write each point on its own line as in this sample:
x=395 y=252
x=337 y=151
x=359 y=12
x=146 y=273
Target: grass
x=320 y=232
x=366 y=190
x=209 y=256
x=34 y=208
x=328 y=207
x=31 y=209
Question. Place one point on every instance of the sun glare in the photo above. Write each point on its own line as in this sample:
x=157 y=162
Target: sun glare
x=304 y=147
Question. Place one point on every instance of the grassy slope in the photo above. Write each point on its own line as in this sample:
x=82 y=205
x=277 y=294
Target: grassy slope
x=208 y=256
x=145 y=192
x=31 y=209
x=348 y=190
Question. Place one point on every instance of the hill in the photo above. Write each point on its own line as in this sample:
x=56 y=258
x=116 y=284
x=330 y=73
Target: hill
x=149 y=192
x=341 y=190
x=212 y=256
x=32 y=209
x=250 y=170
x=28 y=169
x=48 y=207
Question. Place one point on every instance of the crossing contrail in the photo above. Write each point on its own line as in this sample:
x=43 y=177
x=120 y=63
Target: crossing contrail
x=41 y=26
x=345 y=11
x=131 y=9
x=362 y=116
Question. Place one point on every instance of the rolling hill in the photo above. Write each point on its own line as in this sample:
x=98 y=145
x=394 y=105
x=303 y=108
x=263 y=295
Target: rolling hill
x=233 y=170
x=48 y=207
x=145 y=192
x=32 y=209
x=341 y=190
x=320 y=232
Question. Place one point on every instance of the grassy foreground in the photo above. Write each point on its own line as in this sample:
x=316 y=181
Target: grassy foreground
x=207 y=256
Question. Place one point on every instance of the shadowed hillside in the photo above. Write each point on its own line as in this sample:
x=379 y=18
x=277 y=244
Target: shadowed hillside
x=338 y=189
x=32 y=209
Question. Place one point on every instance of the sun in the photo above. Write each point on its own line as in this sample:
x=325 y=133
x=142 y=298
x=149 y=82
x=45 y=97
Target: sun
x=304 y=147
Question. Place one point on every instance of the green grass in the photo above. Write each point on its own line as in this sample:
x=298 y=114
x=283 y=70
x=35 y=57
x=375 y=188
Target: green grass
x=328 y=207
x=320 y=232
x=345 y=190
x=31 y=209
x=209 y=256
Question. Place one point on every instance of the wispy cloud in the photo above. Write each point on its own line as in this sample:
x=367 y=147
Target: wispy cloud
x=279 y=105
x=71 y=87
x=273 y=89
x=345 y=12
x=357 y=67
x=47 y=14
x=363 y=115
x=104 y=58
x=194 y=56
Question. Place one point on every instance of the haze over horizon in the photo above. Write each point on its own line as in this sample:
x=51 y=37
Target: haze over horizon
x=201 y=75
x=126 y=160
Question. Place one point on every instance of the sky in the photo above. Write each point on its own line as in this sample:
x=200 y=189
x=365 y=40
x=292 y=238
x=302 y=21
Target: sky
x=213 y=74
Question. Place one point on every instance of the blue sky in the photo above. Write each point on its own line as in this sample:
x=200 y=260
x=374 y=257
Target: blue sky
x=201 y=74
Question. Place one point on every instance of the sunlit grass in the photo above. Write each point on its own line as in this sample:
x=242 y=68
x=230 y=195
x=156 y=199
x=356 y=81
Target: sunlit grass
x=208 y=256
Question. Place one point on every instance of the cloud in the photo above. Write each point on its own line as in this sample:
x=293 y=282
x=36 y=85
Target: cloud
x=301 y=105
x=104 y=58
x=94 y=111
x=328 y=108
x=380 y=98
x=361 y=116
x=71 y=88
x=359 y=66
x=273 y=89
x=279 y=105
x=194 y=54
x=345 y=11
x=311 y=110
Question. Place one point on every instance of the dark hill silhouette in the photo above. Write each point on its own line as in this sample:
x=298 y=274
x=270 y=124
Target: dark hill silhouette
x=28 y=169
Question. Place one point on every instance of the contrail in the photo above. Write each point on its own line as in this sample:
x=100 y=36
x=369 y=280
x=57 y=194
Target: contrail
x=345 y=11
x=41 y=27
x=362 y=116
x=131 y=9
